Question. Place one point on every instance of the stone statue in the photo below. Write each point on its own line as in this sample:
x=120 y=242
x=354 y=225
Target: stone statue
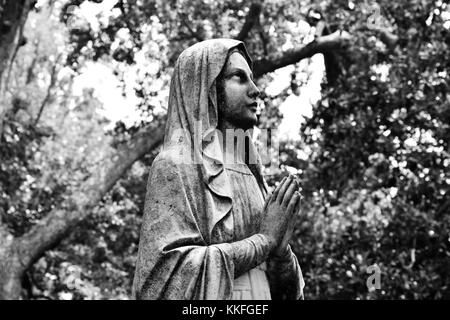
x=210 y=229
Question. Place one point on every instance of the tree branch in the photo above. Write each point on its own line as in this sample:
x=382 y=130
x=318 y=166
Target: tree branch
x=12 y=18
x=78 y=206
x=322 y=44
x=333 y=65
x=53 y=75
x=193 y=33
x=387 y=37
x=250 y=20
x=5 y=235
x=30 y=69
x=14 y=13
x=21 y=42
x=126 y=18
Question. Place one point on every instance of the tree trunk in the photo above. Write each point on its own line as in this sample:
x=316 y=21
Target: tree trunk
x=10 y=267
x=10 y=279
x=13 y=14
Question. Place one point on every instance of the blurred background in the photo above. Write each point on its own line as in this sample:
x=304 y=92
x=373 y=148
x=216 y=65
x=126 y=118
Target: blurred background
x=358 y=90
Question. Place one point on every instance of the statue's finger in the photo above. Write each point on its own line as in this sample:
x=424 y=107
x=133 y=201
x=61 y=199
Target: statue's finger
x=289 y=193
x=277 y=189
x=283 y=189
x=292 y=204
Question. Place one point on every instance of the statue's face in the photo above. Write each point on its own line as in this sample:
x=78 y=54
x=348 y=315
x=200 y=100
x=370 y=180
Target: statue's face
x=239 y=94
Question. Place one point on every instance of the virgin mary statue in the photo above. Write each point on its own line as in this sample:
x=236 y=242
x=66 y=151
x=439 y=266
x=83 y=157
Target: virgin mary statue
x=200 y=235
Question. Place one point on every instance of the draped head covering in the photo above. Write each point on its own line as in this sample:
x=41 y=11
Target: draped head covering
x=192 y=120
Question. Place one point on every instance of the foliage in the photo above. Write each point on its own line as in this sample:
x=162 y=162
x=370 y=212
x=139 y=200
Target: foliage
x=373 y=158
x=97 y=261
x=378 y=182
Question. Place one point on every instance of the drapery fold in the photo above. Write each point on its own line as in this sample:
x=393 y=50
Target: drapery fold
x=176 y=261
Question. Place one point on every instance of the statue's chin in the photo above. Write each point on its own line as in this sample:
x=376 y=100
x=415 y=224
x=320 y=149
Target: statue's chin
x=248 y=123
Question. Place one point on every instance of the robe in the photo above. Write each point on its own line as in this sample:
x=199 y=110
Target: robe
x=177 y=259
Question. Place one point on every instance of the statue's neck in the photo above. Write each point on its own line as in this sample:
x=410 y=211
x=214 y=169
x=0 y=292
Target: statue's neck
x=234 y=145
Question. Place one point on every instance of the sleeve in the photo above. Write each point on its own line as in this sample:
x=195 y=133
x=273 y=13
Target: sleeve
x=174 y=261
x=285 y=276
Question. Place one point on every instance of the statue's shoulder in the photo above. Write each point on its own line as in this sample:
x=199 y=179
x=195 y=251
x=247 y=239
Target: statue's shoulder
x=173 y=157
x=165 y=158
x=167 y=167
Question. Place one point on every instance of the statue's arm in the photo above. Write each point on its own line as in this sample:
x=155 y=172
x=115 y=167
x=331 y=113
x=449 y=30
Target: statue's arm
x=249 y=253
x=174 y=260
x=285 y=276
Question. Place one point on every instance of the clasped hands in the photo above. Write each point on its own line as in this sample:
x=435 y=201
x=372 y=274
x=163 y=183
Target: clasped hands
x=279 y=213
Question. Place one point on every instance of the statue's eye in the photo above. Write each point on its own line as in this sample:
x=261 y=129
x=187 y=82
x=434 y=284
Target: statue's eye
x=242 y=76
